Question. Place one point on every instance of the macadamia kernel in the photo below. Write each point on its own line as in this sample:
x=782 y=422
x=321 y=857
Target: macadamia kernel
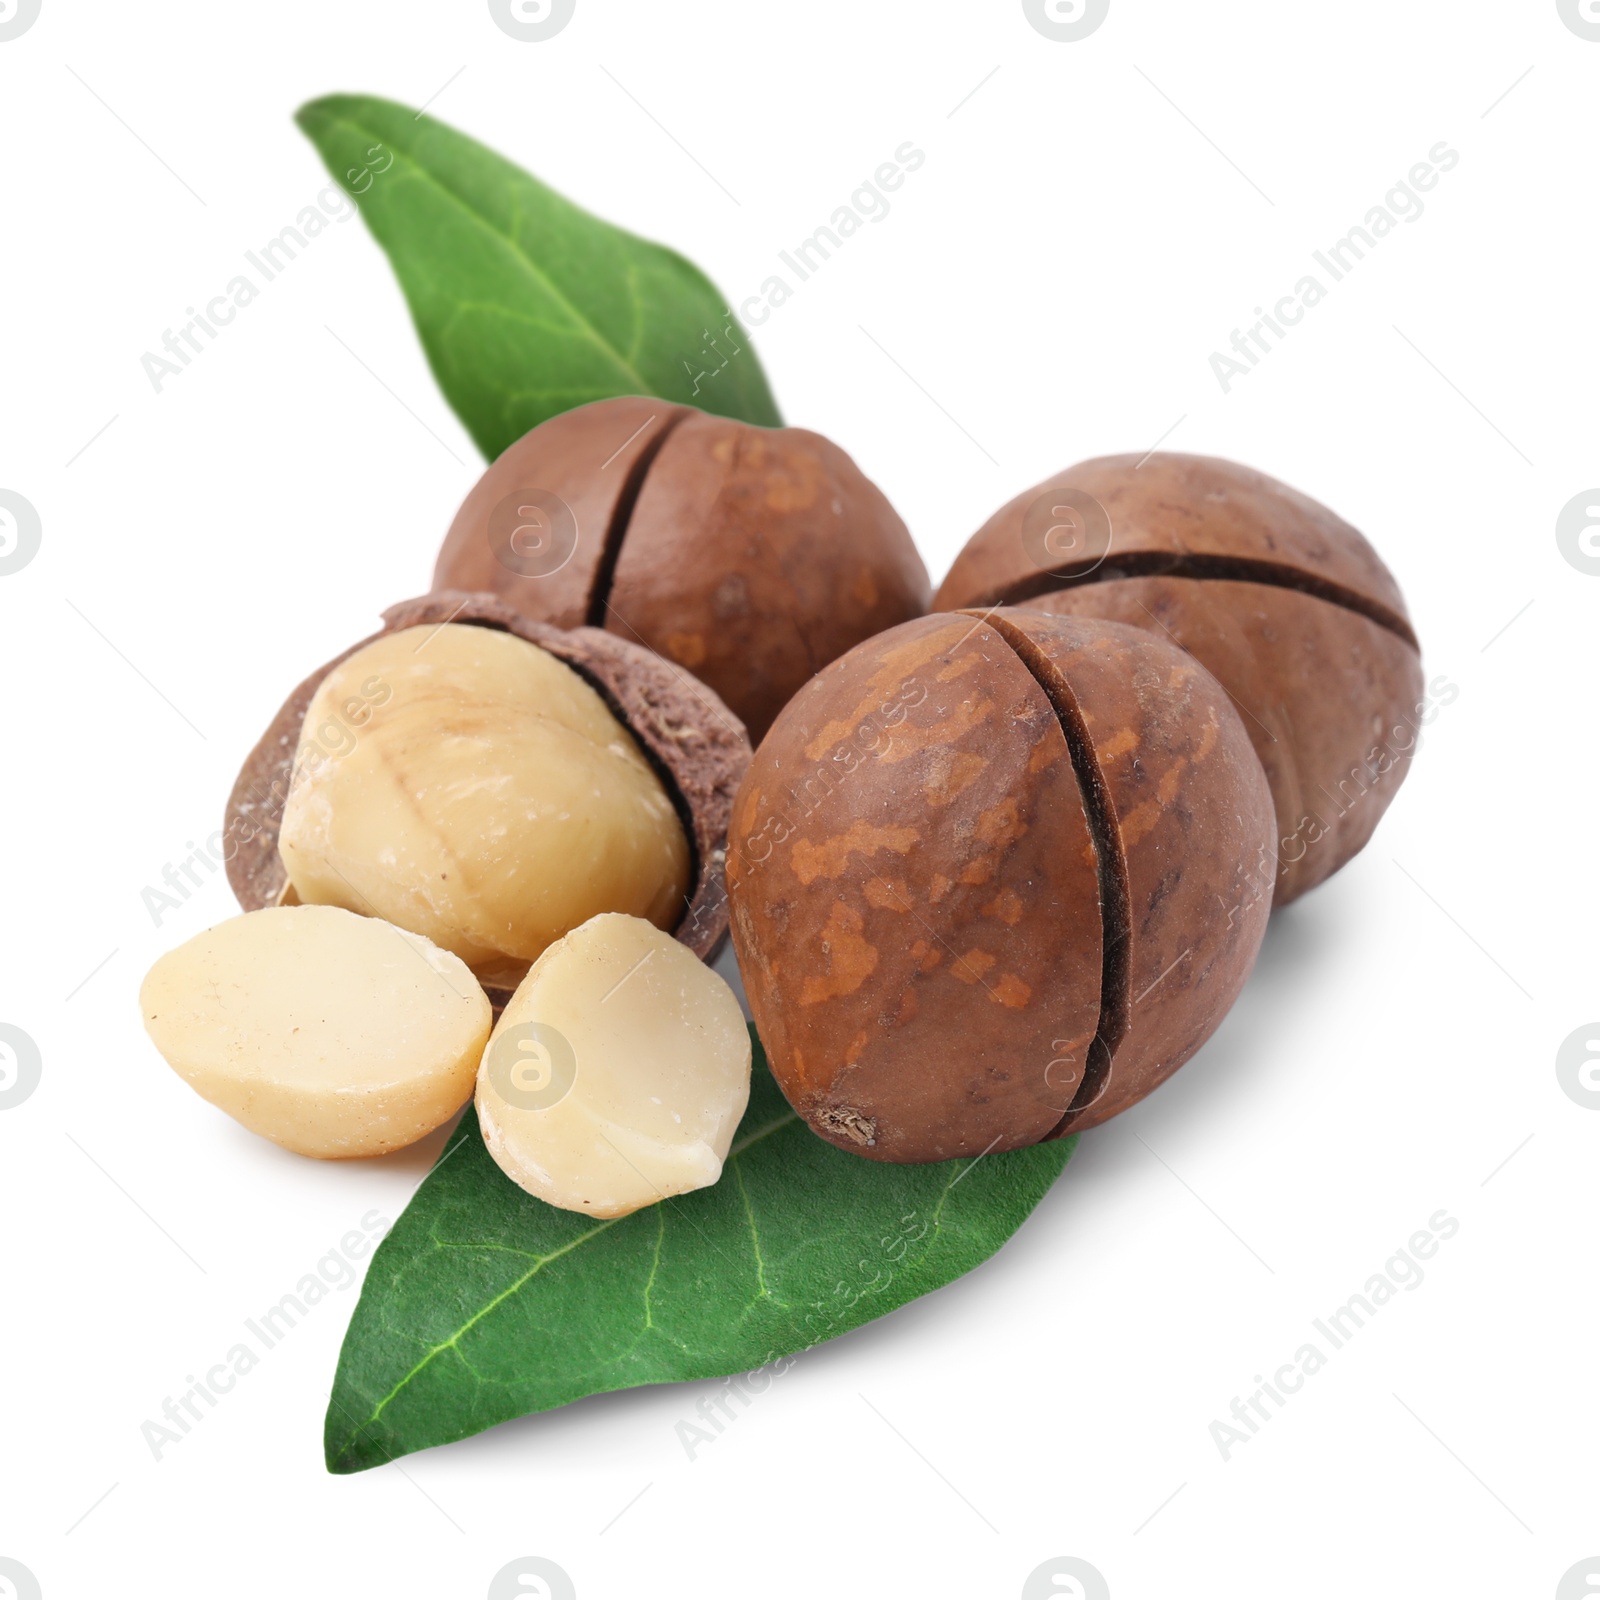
x=328 y=1033
x=463 y=783
x=618 y=1072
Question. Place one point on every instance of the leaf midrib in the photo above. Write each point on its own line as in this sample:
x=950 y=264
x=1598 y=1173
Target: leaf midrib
x=530 y=265
x=516 y=1288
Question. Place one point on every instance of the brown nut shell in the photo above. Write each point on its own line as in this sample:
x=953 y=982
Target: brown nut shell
x=696 y=745
x=1283 y=601
x=543 y=559
x=1185 y=819
x=911 y=816
x=993 y=878
x=750 y=556
x=1329 y=699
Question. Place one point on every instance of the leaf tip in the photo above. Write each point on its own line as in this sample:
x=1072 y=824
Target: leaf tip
x=349 y=1444
x=350 y=1453
x=314 y=113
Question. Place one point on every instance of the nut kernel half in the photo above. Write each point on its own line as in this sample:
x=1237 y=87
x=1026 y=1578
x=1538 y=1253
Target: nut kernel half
x=617 y=1073
x=331 y=1034
x=465 y=784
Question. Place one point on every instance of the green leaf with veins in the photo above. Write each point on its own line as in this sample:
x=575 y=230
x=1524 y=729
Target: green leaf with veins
x=527 y=305
x=484 y=1304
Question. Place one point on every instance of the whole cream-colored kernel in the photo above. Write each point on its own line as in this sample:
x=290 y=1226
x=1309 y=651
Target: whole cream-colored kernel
x=617 y=1073
x=465 y=784
x=328 y=1033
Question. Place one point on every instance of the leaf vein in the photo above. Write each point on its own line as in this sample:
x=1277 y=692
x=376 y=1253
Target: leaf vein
x=513 y=244
x=755 y=1237
x=540 y=1263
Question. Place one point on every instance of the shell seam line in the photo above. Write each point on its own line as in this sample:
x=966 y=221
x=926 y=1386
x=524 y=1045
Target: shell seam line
x=1111 y=866
x=605 y=572
x=1205 y=568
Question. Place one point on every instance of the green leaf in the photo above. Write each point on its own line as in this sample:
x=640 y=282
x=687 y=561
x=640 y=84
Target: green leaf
x=484 y=1304
x=527 y=305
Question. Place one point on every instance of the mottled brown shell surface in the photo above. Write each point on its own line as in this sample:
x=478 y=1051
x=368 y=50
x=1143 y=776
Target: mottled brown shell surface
x=593 y=459
x=955 y=854
x=750 y=556
x=1329 y=699
x=1285 y=603
x=697 y=746
x=1188 y=814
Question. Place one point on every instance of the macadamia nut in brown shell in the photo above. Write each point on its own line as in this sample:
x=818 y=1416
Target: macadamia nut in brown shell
x=491 y=801
x=677 y=727
x=1280 y=599
x=993 y=877
x=750 y=556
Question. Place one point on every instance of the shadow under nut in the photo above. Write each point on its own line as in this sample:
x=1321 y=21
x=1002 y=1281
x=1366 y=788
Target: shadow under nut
x=697 y=747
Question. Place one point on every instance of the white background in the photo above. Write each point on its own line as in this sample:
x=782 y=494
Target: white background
x=1054 y=280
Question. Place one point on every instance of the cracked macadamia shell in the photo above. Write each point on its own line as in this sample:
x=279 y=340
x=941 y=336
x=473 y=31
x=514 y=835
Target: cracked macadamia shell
x=331 y=1034
x=750 y=556
x=690 y=740
x=994 y=877
x=1285 y=603
x=490 y=800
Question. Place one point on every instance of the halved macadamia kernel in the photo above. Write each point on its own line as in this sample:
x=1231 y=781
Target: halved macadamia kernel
x=331 y=1034
x=465 y=784
x=618 y=1072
